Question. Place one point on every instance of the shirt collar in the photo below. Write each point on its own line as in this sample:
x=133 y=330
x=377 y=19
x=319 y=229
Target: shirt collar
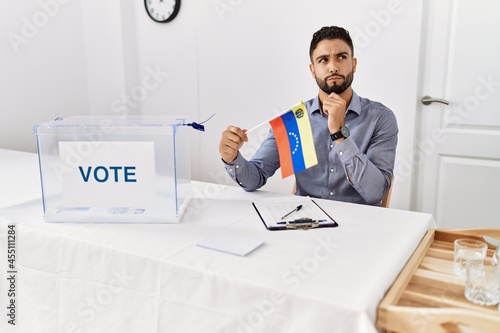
x=354 y=106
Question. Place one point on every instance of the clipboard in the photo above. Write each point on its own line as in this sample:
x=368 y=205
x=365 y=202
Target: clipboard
x=283 y=214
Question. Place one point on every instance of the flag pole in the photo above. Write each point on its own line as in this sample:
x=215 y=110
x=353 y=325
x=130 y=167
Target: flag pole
x=264 y=122
x=268 y=120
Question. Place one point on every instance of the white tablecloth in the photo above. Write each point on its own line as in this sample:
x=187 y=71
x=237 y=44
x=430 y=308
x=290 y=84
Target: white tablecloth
x=153 y=278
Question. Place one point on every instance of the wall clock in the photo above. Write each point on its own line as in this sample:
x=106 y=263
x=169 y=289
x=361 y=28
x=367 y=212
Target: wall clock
x=162 y=11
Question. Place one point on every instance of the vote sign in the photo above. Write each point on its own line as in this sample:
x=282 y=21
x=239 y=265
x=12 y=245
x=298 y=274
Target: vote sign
x=108 y=174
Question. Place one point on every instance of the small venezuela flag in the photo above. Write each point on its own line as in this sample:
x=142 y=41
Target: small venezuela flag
x=294 y=139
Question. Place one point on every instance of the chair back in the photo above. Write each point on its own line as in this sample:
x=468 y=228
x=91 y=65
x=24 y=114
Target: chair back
x=387 y=198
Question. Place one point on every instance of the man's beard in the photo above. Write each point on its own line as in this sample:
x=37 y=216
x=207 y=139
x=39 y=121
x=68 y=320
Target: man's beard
x=338 y=89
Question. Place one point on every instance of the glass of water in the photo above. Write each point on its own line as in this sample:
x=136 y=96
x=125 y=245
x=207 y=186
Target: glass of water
x=496 y=256
x=468 y=252
x=482 y=285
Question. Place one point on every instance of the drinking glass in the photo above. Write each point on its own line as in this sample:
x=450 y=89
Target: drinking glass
x=482 y=284
x=496 y=256
x=468 y=252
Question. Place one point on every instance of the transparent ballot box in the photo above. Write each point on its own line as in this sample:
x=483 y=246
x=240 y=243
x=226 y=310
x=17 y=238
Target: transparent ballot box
x=132 y=169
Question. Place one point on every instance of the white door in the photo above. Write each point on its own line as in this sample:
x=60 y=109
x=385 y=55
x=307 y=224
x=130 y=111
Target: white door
x=457 y=156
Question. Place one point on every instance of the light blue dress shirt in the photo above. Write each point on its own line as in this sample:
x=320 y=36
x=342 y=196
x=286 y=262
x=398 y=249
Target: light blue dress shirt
x=359 y=169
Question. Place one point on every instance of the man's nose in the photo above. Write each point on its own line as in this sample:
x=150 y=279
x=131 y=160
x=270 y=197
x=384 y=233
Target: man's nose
x=333 y=68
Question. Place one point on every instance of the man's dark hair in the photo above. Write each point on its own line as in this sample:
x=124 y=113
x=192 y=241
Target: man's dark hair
x=330 y=33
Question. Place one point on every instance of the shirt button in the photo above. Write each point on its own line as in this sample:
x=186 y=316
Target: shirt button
x=341 y=153
x=237 y=166
x=332 y=170
x=331 y=146
x=231 y=170
x=332 y=193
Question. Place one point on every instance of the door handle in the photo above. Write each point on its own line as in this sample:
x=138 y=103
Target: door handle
x=426 y=100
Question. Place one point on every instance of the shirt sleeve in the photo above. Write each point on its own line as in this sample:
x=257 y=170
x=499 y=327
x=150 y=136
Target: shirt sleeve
x=253 y=174
x=370 y=172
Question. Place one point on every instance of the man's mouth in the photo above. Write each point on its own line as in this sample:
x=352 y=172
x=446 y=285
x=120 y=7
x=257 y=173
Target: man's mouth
x=334 y=77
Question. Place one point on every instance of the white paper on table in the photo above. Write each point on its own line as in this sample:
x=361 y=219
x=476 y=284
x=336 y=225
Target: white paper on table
x=230 y=243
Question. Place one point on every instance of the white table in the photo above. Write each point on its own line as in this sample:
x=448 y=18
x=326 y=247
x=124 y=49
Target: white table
x=153 y=278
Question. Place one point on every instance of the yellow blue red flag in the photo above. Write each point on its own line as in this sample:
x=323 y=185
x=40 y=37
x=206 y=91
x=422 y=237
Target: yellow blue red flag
x=294 y=139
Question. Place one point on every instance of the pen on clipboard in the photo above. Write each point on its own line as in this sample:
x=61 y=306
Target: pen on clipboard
x=296 y=209
x=299 y=221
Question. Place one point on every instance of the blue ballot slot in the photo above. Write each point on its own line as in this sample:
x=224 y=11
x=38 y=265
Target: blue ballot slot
x=133 y=169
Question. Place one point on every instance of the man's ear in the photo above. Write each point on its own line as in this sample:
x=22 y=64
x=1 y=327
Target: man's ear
x=311 y=68
x=354 y=64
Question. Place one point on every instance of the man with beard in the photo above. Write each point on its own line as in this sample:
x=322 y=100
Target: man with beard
x=355 y=138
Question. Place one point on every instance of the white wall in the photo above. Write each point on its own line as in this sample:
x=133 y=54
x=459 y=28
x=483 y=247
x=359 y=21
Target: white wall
x=242 y=60
x=42 y=67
